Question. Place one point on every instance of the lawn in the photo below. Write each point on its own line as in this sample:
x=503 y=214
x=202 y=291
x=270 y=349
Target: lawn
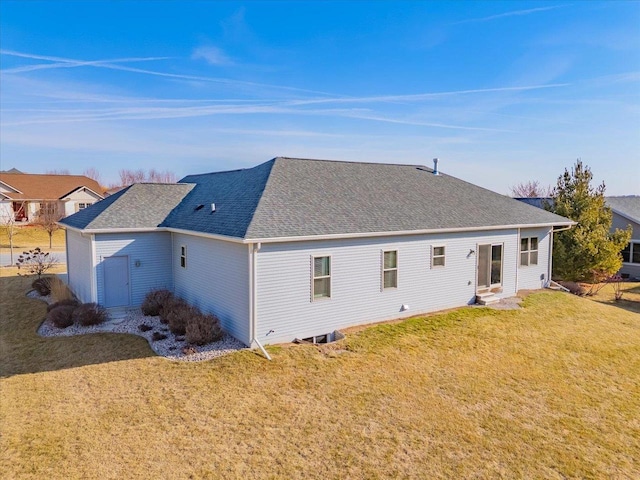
x=29 y=236
x=549 y=391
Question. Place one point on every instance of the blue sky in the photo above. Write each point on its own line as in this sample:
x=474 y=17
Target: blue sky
x=501 y=92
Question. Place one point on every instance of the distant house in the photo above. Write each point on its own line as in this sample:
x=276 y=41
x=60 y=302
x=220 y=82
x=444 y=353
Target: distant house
x=24 y=195
x=299 y=248
x=626 y=211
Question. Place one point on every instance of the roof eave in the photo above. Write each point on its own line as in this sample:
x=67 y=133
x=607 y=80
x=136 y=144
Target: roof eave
x=339 y=236
x=625 y=215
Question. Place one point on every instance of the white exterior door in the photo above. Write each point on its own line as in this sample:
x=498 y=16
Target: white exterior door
x=116 y=281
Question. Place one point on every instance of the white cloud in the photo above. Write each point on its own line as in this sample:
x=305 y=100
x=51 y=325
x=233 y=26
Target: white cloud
x=212 y=55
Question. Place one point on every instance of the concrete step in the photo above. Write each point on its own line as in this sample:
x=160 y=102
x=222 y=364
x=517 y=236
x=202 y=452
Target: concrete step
x=486 y=298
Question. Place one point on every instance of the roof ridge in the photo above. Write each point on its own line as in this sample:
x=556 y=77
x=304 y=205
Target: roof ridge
x=352 y=161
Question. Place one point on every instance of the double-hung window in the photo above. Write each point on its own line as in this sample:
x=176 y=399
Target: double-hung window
x=321 y=283
x=631 y=253
x=437 y=256
x=528 y=251
x=390 y=269
x=183 y=256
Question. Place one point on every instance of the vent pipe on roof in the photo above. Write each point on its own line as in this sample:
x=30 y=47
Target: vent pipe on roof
x=435 y=167
x=213 y=207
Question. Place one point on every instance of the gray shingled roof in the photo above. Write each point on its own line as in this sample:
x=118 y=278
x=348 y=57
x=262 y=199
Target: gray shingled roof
x=142 y=205
x=287 y=197
x=628 y=206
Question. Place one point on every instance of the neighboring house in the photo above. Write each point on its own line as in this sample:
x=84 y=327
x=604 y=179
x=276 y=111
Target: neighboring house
x=24 y=195
x=299 y=248
x=626 y=211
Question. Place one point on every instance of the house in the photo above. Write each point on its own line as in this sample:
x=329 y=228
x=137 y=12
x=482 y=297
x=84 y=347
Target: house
x=626 y=211
x=24 y=195
x=299 y=248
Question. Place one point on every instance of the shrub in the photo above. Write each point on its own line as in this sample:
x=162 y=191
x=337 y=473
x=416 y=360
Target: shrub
x=90 y=314
x=62 y=316
x=63 y=303
x=42 y=286
x=35 y=262
x=179 y=315
x=202 y=329
x=158 y=336
x=574 y=288
x=170 y=305
x=60 y=291
x=154 y=302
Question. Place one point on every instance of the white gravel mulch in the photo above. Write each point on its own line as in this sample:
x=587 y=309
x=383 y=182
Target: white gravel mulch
x=172 y=347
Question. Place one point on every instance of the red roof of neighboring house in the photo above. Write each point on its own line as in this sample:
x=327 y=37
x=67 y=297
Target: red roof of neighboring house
x=46 y=187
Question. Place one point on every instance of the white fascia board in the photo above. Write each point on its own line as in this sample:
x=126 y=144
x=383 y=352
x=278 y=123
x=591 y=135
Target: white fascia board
x=64 y=197
x=10 y=187
x=403 y=232
x=94 y=231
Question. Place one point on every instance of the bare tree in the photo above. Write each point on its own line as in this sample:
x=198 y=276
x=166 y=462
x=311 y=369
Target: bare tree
x=129 y=177
x=60 y=171
x=530 y=189
x=48 y=218
x=92 y=173
x=9 y=222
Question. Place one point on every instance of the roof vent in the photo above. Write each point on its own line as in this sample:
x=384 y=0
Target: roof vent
x=435 y=167
x=199 y=207
x=213 y=207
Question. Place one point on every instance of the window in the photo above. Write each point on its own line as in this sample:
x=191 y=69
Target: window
x=183 y=256
x=82 y=206
x=529 y=251
x=631 y=253
x=390 y=269
x=437 y=257
x=321 y=277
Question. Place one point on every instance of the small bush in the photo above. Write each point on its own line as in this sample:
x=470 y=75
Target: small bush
x=42 y=286
x=574 y=288
x=172 y=304
x=68 y=302
x=60 y=291
x=62 y=316
x=158 y=336
x=179 y=316
x=154 y=301
x=202 y=329
x=90 y=314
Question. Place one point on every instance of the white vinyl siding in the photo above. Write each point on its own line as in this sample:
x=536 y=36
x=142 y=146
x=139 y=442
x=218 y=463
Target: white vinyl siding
x=149 y=261
x=79 y=265
x=534 y=275
x=217 y=280
x=283 y=308
x=629 y=269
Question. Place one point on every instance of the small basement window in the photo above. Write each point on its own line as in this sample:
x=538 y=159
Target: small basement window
x=528 y=251
x=183 y=256
x=437 y=256
x=390 y=269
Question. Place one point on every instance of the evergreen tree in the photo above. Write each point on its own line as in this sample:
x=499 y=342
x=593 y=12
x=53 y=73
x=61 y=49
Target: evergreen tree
x=588 y=251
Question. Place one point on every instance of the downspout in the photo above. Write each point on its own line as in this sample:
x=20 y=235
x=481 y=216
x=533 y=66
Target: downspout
x=94 y=270
x=253 y=294
x=518 y=261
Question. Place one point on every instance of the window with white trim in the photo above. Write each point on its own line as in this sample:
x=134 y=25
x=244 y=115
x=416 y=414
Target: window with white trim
x=390 y=269
x=528 y=251
x=437 y=256
x=321 y=282
x=183 y=256
x=82 y=206
x=631 y=253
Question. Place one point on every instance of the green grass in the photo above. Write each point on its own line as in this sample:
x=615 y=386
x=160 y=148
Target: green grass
x=550 y=391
